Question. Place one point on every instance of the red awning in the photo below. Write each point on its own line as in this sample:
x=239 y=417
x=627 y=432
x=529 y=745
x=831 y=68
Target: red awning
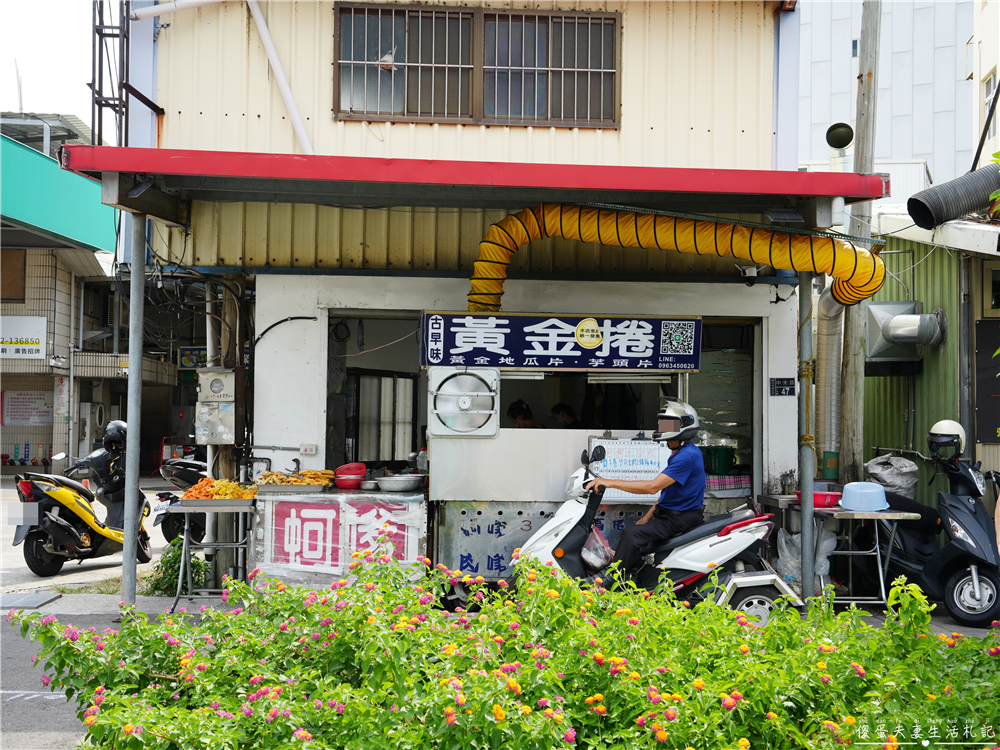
x=367 y=181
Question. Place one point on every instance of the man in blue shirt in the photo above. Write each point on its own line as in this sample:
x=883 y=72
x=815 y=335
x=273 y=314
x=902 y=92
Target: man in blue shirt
x=681 y=486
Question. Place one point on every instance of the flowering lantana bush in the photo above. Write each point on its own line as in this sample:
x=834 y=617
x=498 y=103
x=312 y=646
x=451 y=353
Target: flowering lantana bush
x=544 y=663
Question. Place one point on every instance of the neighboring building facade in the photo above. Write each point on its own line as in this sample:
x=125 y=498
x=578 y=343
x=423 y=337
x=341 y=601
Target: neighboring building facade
x=985 y=71
x=62 y=375
x=925 y=71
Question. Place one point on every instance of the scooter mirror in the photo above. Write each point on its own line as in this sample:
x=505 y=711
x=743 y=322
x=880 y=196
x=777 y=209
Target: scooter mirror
x=59 y=457
x=585 y=458
x=598 y=454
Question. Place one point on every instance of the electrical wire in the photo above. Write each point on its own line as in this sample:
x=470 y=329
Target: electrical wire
x=369 y=351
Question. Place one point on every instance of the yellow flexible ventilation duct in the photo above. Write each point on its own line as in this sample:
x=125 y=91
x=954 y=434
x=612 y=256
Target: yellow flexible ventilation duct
x=858 y=273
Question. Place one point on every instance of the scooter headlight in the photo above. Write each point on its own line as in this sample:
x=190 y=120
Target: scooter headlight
x=957 y=532
x=980 y=482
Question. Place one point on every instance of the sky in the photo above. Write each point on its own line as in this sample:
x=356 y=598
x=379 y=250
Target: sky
x=51 y=41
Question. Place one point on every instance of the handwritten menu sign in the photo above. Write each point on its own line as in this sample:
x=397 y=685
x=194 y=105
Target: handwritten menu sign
x=630 y=459
x=27 y=408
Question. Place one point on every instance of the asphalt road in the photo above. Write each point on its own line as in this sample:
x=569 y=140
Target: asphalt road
x=15 y=576
x=32 y=717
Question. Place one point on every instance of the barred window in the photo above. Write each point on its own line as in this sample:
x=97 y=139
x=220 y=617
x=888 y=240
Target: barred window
x=441 y=64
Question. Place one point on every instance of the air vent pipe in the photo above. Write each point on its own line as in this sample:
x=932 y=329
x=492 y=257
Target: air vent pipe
x=858 y=273
x=954 y=199
x=829 y=358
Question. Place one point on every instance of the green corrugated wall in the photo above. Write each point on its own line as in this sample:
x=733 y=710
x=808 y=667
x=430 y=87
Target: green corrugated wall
x=935 y=282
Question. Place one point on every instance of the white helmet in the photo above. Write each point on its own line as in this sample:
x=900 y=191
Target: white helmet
x=676 y=421
x=944 y=434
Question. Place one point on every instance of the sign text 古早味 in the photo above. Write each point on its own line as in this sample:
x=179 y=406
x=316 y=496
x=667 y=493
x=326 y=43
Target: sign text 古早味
x=560 y=342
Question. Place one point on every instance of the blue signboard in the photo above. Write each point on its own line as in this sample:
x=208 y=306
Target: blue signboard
x=560 y=342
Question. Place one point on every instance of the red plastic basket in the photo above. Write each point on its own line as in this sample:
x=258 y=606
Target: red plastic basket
x=822 y=499
x=352 y=470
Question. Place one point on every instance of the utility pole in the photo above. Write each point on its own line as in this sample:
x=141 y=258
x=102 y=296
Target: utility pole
x=136 y=300
x=852 y=433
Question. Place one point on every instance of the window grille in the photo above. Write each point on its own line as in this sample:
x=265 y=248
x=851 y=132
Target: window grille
x=549 y=68
x=477 y=65
x=412 y=62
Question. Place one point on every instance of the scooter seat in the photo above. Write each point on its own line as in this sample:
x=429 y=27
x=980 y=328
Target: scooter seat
x=709 y=527
x=68 y=483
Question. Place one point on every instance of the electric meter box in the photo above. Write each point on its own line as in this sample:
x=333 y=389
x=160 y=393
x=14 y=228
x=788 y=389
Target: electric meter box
x=220 y=384
x=218 y=418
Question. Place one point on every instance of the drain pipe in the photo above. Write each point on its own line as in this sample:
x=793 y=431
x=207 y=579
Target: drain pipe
x=211 y=357
x=141 y=14
x=829 y=354
x=279 y=77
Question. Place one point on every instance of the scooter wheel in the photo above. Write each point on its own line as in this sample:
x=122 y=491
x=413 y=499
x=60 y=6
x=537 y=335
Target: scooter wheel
x=960 y=598
x=143 y=553
x=757 y=602
x=40 y=562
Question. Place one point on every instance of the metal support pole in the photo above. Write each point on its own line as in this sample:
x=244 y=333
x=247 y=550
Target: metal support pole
x=807 y=449
x=70 y=450
x=965 y=353
x=137 y=295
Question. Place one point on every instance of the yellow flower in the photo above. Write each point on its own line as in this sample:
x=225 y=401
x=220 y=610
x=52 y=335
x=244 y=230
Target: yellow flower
x=128 y=729
x=661 y=736
x=821 y=665
x=892 y=742
x=498 y=712
x=932 y=696
x=372 y=620
x=185 y=662
x=633 y=675
x=699 y=684
x=525 y=710
x=90 y=720
x=850 y=721
x=743 y=742
x=552 y=594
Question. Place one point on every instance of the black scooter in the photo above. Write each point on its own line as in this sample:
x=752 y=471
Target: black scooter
x=182 y=473
x=963 y=572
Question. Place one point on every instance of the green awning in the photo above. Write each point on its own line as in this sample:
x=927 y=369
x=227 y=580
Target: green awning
x=36 y=195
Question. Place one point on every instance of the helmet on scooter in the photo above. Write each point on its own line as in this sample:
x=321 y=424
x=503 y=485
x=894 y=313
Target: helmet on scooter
x=946 y=434
x=114 y=436
x=676 y=421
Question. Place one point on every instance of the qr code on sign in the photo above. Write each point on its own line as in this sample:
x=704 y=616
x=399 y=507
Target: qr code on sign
x=677 y=337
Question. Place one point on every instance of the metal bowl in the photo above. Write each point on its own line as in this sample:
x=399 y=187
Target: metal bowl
x=401 y=482
x=369 y=484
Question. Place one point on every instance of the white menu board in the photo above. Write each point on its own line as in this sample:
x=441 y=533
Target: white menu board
x=630 y=459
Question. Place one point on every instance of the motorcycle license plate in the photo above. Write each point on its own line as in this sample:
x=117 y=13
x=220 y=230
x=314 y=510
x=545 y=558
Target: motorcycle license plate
x=161 y=507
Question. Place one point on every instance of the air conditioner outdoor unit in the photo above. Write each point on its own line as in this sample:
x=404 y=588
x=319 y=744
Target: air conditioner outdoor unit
x=463 y=402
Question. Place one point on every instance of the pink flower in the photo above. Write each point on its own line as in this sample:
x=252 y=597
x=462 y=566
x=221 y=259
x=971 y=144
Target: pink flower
x=670 y=714
x=514 y=625
x=225 y=595
x=301 y=734
x=47 y=620
x=283 y=627
x=543 y=702
x=71 y=634
x=340 y=708
x=426 y=599
x=286 y=713
x=641 y=721
x=46 y=681
x=570 y=735
x=728 y=703
x=272 y=715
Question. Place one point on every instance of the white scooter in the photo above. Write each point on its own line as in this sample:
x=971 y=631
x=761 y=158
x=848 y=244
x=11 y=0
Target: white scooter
x=729 y=544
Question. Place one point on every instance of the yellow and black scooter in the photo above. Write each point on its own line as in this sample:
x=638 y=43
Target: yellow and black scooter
x=58 y=518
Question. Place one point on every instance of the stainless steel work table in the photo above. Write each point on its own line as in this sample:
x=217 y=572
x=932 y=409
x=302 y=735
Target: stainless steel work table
x=187 y=507
x=786 y=503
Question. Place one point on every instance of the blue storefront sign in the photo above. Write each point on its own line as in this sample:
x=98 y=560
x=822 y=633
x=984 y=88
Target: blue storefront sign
x=560 y=342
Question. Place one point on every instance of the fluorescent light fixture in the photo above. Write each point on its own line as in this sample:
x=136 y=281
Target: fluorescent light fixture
x=653 y=377
x=521 y=375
